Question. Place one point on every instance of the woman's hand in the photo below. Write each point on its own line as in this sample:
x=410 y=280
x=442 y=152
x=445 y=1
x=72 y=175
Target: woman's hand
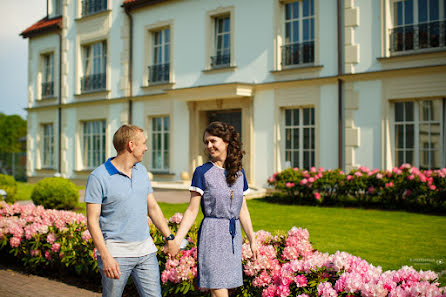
x=254 y=249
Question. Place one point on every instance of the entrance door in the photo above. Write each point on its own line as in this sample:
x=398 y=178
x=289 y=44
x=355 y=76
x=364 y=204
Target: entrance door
x=230 y=116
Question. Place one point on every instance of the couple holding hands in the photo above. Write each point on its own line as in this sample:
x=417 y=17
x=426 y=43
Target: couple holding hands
x=119 y=196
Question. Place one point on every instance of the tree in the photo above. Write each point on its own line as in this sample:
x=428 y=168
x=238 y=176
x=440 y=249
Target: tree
x=12 y=128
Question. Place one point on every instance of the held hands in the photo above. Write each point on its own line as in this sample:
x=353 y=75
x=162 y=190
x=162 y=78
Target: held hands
x=173 y=247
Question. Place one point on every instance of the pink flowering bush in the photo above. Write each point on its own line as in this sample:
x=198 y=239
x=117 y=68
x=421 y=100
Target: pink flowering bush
x=47 y=238
x=287 y=265
x=403 y=187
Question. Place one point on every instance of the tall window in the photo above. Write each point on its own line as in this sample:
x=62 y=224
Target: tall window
x=298 y=47
x=93 y=143
x=93 y=6
x=95 y=64
x=160 y=143
x=419 y=133
x=57 y=7
x=418 y=24
x=48 y=76
x=159 y=71
x=300 y=137
x=48 y=146
x=222 y=42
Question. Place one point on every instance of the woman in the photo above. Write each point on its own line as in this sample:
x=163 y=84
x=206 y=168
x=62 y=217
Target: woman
x=219 y=186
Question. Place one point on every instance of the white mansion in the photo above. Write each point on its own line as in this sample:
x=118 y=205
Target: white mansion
x=324 y=83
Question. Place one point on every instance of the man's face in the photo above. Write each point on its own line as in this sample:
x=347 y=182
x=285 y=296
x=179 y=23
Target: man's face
x=139 y=146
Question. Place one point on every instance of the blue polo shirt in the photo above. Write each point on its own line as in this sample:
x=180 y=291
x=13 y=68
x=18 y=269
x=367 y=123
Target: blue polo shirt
x=124 y=201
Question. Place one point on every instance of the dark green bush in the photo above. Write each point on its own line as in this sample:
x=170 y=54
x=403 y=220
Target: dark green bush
x=8 y=183
x=55 y=193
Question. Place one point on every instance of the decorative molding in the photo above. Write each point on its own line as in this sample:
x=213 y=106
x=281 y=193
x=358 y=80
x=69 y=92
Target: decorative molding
x=351 y=49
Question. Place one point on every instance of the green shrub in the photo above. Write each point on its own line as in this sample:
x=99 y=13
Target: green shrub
x=55 y=193
x=8 y=183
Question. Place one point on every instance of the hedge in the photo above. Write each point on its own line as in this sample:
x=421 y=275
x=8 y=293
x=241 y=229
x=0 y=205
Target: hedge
x=403 y=187
x=288 y=264
x=9 y=185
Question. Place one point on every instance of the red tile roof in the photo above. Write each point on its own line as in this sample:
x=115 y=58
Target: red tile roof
x=44 y=25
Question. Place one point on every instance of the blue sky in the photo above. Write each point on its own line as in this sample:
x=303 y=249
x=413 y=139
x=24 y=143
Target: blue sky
x=16 y=16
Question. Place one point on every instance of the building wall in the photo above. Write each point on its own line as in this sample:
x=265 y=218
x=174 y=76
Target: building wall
x=256 y=83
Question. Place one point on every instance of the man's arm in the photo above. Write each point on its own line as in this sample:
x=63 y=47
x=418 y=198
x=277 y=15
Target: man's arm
x=158 y=219
x=110 y=266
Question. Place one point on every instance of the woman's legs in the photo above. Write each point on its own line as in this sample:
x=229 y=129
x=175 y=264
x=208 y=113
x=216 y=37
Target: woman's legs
x=219 y=293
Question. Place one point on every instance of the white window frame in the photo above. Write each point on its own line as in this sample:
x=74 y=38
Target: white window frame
x=300 y=127
x=93 y=156
x=47 y=74
x=161 y=52
x=300 y=19
x=417 y=162
x=164 y=148
x=47 y=146
x=94 y=62
x=211 y=17
x=416 y=22
x=57 y=7
x=221 y=51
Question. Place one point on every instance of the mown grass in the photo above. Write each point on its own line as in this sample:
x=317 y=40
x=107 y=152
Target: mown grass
x=24 y=190
x=390 y=239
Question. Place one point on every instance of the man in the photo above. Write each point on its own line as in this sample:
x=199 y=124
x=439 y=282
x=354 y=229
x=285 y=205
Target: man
x=119 y=196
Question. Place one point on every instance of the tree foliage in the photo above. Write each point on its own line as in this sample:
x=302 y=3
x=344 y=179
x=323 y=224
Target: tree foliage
x=12 y=128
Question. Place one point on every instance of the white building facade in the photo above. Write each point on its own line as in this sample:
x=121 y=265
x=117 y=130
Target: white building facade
x=333 y=84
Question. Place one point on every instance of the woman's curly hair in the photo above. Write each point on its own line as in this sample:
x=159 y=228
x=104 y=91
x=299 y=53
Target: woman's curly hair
x=233 y=162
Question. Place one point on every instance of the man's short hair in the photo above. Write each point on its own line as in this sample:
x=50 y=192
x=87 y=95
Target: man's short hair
x=123 y=135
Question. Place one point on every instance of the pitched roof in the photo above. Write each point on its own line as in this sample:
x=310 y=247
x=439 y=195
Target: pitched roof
x=44 y=25
x=131 y=4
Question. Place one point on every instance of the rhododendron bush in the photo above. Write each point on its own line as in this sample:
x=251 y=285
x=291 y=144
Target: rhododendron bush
x=287 y=265
x=403 y=187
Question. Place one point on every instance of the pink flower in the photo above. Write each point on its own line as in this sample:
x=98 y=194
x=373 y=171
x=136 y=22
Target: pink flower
x=48 y=255
x=317 y=196
x=379 y=176
x=86 y=236
x=301 y=281
x=411 y=177
x=389 y=185
x=349 y=177
x=289 y=185
x=55 y=247
x=51 y=238
x=371 y=190
x=15 y=242
x=303 y=182
x=432 y=187
x=176 y=218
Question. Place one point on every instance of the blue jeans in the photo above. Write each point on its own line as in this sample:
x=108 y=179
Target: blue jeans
x=145 y=273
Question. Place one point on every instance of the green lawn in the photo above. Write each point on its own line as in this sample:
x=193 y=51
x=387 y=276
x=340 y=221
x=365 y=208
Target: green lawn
x=390 y=239
x=24 y=190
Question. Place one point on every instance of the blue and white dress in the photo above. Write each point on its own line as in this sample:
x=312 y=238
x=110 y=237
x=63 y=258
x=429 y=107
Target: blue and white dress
x=219 y=251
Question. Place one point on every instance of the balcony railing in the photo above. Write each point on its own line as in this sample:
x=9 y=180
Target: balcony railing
x=93 y=82
x=220 y=61
x=93 y=6
x=418 y=36
x=298 y=53
x=159 y=73
x=47 y=89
